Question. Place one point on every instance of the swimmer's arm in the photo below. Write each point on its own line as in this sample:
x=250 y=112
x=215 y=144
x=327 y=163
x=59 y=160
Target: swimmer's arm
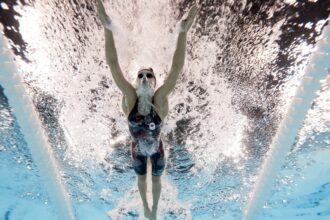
x=179 y=55
x=111 y=55
x=112 y=60
x=177 y=65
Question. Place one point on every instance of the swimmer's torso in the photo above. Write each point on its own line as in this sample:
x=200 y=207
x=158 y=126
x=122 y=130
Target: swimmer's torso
x=145 y=131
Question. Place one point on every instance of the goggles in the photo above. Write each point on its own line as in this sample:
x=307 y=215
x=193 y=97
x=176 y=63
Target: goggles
x=148 y=75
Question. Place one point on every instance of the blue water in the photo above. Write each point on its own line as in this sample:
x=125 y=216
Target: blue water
x=302 y=191
x=243 y=60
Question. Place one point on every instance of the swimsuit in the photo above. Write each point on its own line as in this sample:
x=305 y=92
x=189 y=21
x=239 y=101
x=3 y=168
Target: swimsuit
x=145 y=131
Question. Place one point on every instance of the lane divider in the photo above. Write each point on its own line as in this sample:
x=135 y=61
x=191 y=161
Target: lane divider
x=316 y=70
x=34 y=134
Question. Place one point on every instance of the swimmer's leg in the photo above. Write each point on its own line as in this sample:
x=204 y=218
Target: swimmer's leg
x=156 y=189
x=140 y=168
x=158 y=166
x=142 y=185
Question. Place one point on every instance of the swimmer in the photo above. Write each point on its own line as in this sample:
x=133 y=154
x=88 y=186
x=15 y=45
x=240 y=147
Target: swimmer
x=146 y=108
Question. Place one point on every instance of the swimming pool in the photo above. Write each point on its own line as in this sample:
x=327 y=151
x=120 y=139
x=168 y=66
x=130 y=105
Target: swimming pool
x=244 y=61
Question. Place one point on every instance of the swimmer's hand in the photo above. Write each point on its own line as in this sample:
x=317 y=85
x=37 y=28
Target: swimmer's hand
x=189 y=20
x=104 y=18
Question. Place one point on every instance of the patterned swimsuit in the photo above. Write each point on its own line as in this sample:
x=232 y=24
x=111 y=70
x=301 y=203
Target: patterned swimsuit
x=145 y=131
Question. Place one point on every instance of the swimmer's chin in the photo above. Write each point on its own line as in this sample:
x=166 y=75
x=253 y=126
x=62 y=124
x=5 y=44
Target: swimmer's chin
x=145 y=94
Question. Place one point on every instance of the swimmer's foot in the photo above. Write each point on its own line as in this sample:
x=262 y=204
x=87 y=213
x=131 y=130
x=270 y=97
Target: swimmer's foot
x=147 y=211
x=153 y=214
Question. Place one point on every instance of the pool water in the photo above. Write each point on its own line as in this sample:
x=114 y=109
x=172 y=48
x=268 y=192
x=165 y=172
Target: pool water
x=244 y=61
